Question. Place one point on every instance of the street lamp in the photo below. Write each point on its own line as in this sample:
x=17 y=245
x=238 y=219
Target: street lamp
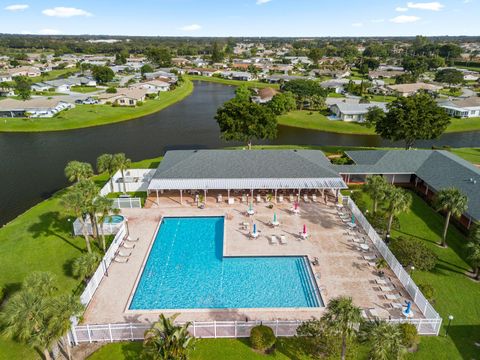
x=450 y=318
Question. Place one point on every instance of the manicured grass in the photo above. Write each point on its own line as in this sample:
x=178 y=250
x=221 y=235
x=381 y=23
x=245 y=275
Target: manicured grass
x=381 y=98
x=456 y=293
x=257 y=84
x=450 y=92
x=316 y=121
x=94 y=115
x=54 y=74
x=335 y=95
x=84 y=89
x=469 y=154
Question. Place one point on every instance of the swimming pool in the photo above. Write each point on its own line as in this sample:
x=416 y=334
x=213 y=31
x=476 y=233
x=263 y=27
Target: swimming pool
x=114 y=219
x=186 y=270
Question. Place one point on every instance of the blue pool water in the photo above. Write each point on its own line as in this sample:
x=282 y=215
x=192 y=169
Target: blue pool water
x=186 y=270
x=114 y=219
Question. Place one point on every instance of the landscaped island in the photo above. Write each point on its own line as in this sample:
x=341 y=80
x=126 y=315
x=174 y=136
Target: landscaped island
x=83 y=116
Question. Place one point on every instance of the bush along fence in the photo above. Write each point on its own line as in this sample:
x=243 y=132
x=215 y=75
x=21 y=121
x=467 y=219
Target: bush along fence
x=429 y=325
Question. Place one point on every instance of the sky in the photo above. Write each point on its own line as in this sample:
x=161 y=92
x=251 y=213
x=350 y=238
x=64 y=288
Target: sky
x=250 y=18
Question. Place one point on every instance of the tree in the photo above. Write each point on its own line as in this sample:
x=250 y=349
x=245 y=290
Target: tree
x=76 y=171
x=217 y=53
x=242 y=93
x=416 y=65
x=374 y=115
x=386 y=341
x=159 y=56
x=122 y=163
x=315 y=55
x=23 y=87
x=103 y=74
x=166 y=341
x=240 y=121
x=434 y=62
x=121 y=57
x=103 y=206
x=85 y=265
x=147 y=68
x=106 y=163
x=398 y=201
x=449 y=76
x=410 y=119
x=342 y=318
x=473 y=249
x=453 y=202
x=35 y=316
x=376 y=187
x=304 y=90
x=450 y=51
x=282 y=103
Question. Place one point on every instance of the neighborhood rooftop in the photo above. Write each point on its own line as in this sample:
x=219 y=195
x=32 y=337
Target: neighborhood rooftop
x=255 y=169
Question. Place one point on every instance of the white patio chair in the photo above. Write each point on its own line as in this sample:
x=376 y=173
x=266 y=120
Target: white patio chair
x=283 y=240
x=273 y=240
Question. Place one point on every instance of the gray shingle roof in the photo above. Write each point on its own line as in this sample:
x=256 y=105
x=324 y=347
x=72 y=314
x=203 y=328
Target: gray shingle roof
x=438 y=168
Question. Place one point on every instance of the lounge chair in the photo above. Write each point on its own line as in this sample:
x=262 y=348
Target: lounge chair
x=369 y=257
x=386 y=288
x=259 y=199
x=231 y=201
x=273 y=240
x=280 y=198
x=123 y=254
x=315 y=261
x=127 y=245
x=131 y=239
x=219 y=198
x=283 y=240
x=381 y=282
x=396 y=305
x=392 y=296
x=305 y=198
x=314 y=197
x=291 y=198
x=374 y=313
x=120 y=259
x=244 y=198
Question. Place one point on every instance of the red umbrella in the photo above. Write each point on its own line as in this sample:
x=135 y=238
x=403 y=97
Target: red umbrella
x=304 y=228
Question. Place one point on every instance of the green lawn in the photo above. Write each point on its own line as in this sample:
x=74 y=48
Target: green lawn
x=335 y=95
x=381 y=98
x=84 y=89
x=450 y=92
x=456 y=294
x=314 y=120
x=469 y=154
x=93 y=115
x=257 y=84
x=54 y=74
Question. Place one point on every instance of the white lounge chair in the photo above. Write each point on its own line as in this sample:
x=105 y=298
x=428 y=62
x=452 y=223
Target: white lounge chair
x=305 y=198
x=291 y=198
x=369 y=257
x=219 y=198
x=123 y=254
x=283 y=240
x=127 y=245
x=231 y=201
x=373 y=312
x=280 y=198
x=132 y=239
x=120 y=259
x=244 y=198
x=386 y=288
x=396 y=305
x=392 y=296
x=273 y=240
x=259 y=199
x=381 y=282
x=314 y=197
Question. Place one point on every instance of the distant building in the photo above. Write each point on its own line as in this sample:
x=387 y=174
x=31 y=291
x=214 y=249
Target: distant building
x=464 y=108
x=123 y=97
x=264 y=95
x=33 y=108
x=410 y=89
x=348 y=111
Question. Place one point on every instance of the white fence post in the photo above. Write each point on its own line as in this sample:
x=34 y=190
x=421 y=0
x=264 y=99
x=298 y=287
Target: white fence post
x=89 y=336
x=110 y=332
x=215 y=328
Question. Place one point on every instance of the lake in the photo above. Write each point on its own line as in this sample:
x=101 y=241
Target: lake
x=32 y=164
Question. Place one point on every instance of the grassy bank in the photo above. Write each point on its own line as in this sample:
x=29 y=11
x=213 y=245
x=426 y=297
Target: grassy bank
x=315 y=121
x=257 y=84
x=83 y=116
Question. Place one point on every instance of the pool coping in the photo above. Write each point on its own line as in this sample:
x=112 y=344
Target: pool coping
x=127 y=310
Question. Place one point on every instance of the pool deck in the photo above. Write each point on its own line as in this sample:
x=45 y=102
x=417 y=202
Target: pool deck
x=341 y=270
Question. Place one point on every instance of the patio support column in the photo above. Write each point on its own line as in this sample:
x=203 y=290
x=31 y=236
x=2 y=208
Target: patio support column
x=158 y=203
x=228 y=195
x=298 y=195
x=205 y=197
x=393 y=178
x=426 y=190
x=275 y=196
x=181 y=197
x=469 y=222
x=252 y=195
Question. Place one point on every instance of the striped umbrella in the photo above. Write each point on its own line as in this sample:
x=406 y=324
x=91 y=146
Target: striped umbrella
x=274 y=217
x=353 y=219
x=254 y=228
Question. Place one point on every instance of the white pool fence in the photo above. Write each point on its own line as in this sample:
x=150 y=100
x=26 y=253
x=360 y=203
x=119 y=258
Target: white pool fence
x=127 y=203
x=430 y=325
x=135 y=180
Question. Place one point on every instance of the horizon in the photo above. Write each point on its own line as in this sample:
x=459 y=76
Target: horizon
x=248 y=18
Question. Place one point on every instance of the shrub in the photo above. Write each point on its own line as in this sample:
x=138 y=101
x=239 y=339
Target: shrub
x=428 y=291
x=139 y=103
x=410 y=338
x=111 y=90
x=262 y=338
x=411 y=252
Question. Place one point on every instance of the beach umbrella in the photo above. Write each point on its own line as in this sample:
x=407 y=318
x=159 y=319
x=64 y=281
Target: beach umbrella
x=254 y=228
x=304 y=228
x=353 y=219
x=274 y=217
x=251 y=207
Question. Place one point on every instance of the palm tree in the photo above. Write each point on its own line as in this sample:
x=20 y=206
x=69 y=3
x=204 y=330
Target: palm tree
x=85 y=265
x=473 y=248
x=106 y=163
x=34 y=316
x=376 y=187
x=398 y=201
x=453 y=202
x=343 y=317
x=386 y=341
x=104 y=207
x=76 y=171
x=166 y=341
x=122 y=163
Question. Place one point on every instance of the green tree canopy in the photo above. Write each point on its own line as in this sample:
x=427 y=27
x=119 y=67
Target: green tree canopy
x=245 y=121
x=409 y=119
x=23 y=87
x=103 y=74
x=449 y=76
x=453 y=202
x=159 y=56
x=282 y=103
x=217 y=53
x=146 y=68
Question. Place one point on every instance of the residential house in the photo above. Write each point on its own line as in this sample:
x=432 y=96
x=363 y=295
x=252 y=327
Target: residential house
x=410 y=89
x=336 y=74
x=384 y=74
x=33 y=108
x=152 y=86
x=202 y=71
x=275 y=79
x=463 y=108
x=264 y=95
x=123 y=97
x=241 y=75
x=179 y=61
x=29 y=71
x=60 y=85
x=349 y=111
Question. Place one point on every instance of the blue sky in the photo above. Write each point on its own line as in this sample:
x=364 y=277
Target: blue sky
x=242 y=17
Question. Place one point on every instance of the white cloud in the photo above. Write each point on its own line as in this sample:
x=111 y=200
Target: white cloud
x=65 y=12
x=49 y=32
x=357 y=24
x=403 y=19
x=433 y=6
x=261 y=2
x=192 y=27
x=17 y=7
x=377 y=21
x=401 y=9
